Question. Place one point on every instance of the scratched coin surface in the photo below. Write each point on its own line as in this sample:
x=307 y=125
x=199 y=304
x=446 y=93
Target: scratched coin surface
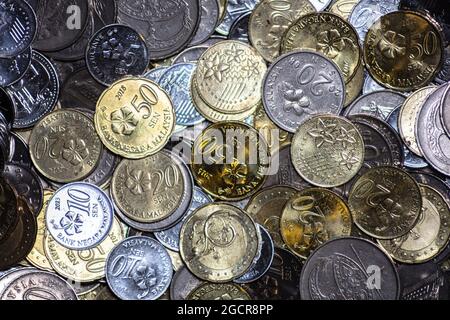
x=428 y=237
x=64 y=146
x=403 y=50
x=218 y=292
x=385 y=202
x=270 y=19
x=312 y=86
x=311 y=218
x=139 y=268
x=79 y=216
x=134 y=118
x=327 y=151
x=219 y=242
x=328 y=34
x=326 y=273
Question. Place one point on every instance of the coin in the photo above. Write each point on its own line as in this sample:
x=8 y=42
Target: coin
x=8 y=210
x=408 y=117
x=38 y=285
x=219 y=242
x=19 y=27
x=234 y=10
x=433 y=182
x=190 y=55
x=445 y=114
x=432 y=140
x=229 y=77
x=209 y=19
x=83 y=266
x=313 y=217
x=36 y=94
x=155 y=74
x=240 y=28
x=102 y=174
x=321 y=5
x=230 y=161
x=79 y=216
x=13 y=69
x=134 y=118
x=7 y=108
x=270 y=19
x=222 y=291
x=37 y=255
x=325 y=274
x=428 y=237
x=139 y=268
x=378 y=104
x=371 y=85
x=183 y=283
x=343 y=8
x=385 y=202
x=444 y=74
x=328 y=34
x=395 y=60
x=323 y=144
x=312 y=86
x=168 y=27
x=175 y=257
x=354 y=87
x=64 y=146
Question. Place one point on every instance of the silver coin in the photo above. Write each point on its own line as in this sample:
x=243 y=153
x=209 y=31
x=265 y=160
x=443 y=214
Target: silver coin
x=170 y=238
x=39 y=285
x=366 y=12
x=155 y=73
x=36 y=94
x=209 y=17
x=177 y=83
x=139 y=268
x=264 y=261
x=6 y=277
x=320 y=5
x=370 y=85
x=239 y=29
x=378 y=104
x=445 y=111
x=190 y=55
x=19 y=152
x=300 y=85
x=432 y=140
x=235 y=9
x=13 y=69
x=79 y=216
x=105 y=168
x=183 y=283
x=411 y=160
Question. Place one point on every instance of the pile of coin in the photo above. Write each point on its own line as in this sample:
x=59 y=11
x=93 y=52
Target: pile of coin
x=224 y=150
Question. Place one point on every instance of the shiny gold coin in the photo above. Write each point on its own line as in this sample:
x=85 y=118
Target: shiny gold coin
x=355 y=86
x=313 y=217
x=343 y=8
x=428 y=237
x=269 y=21
x=135 y=118
x=64 y=146
x=327 y=151
x=230 y=161
x=229 y=77
x=37 y=256
x=83 y=266
x=266 y=208
x=150 y=189
x=219 y=242
x=328 y=34
x=403 y=50
x=214 y=291
x=408 y=117
x=385 y=202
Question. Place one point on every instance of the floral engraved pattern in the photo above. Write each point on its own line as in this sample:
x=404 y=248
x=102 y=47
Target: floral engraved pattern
x=75 y=151
x=124 y=121
x=145 y=279
x=234 y=54
x=295 y=99
x=235 y=174
x=331 y=43
x=392 y=44
x=348 y=159
x=251 y=68
x=71 y=223
x=215 y=68
x=346 y=137
x=323 y=133
x=138 y=182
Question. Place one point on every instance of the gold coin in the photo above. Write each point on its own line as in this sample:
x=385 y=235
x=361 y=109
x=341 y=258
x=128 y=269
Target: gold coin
x=328 y=34
x=219 y=242
x=266 y=208
x=230 y=161
x=354 y=87
x=134 y=118
x=385 y=202
x=313 y=217
x=408 y=117
x=403 y=50
x=37 y=256
x=343 y=8
x=150 y=189
x=269 y=21
x=229 y=77
x=64 y=146
x=327 y=151
x=221 y=291
x=429 y=236
x=83 y=266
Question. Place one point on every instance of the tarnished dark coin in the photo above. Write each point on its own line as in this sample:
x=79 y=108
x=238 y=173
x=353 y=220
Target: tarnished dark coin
x=13 y=69
x=183 y=283
x=60 y=23
x=116 y=51
x=239 y=29
x=36 y=94
x=167 y=26
x=209 y=18
x=190 y=55
x=19 y=152
x=7 y=108
x=8 y=210
x=27 y=184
